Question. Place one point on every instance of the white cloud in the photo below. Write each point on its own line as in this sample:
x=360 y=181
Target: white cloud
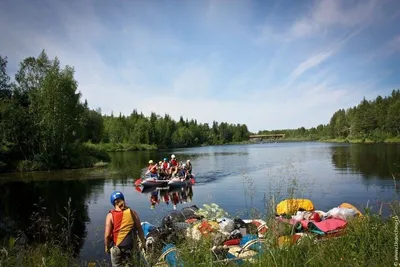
x=329 y=13
x=142 y=79
x=322 y=18
x=385 y=50
x=313 y=61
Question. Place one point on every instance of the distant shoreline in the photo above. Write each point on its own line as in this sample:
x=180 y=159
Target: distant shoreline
x=110 y=147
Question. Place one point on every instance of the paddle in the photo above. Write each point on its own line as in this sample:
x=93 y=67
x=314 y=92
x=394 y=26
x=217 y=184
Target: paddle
x=148 y=171
x=138 y=182
x=138 y=189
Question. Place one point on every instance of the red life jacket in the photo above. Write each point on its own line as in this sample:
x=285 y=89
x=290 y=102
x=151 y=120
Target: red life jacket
x=123 y=224
x=153 y=169
x=174 y=162
x=165 y=165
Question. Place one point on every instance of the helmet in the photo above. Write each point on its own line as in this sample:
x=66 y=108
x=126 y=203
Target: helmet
x=160 y=162
x=172 y=156
x=116 y=195
x=150 y=161
x=165 y=159
x=188 y=161
x=183 y=165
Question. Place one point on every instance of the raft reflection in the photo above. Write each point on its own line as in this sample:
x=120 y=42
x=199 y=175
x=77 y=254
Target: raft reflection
x=173 y=194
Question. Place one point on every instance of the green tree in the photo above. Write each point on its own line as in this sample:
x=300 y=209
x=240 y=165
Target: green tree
x=58 y=113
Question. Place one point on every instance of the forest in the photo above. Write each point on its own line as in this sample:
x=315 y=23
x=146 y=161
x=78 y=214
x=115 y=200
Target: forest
x=370 y=121
x=44 y=124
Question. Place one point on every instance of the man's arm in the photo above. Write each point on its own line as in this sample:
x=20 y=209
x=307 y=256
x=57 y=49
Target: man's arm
x=108 y=232
x=138 y=226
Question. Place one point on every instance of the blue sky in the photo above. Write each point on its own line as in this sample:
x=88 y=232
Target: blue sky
x=269 y=64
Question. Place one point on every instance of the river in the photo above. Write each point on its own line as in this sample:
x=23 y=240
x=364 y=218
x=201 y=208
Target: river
x=236 y=177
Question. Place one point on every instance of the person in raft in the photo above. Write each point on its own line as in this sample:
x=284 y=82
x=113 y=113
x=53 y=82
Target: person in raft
x=189 y=167
x=122 y=228
x=152 y=169
x=165 y=167
x=173 y=165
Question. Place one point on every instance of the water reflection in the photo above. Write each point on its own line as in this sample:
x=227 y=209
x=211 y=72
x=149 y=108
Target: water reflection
x=172 y=195
x=371 y=161
x=18 y=202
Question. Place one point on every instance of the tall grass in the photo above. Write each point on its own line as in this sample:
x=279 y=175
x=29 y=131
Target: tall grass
x=43 y=243
x=368 y=241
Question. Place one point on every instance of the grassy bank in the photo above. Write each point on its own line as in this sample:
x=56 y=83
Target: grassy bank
x=393 y=140
x=83 y=156
x=114 y=147
x=369 y=241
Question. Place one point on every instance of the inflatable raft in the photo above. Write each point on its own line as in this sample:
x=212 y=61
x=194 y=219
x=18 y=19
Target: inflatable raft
x=151 y=182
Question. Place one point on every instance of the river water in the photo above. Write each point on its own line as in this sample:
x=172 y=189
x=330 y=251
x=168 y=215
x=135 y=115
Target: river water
x=236 y=177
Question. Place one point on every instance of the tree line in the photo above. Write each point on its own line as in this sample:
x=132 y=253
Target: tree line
x=164 y=132
x=45 y=125
x=376 y=120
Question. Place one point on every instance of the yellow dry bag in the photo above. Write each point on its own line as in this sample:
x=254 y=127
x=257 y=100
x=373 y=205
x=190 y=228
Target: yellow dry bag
x=291 y=206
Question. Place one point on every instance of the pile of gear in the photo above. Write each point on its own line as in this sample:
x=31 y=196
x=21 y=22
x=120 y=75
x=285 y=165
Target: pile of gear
x=243 y=239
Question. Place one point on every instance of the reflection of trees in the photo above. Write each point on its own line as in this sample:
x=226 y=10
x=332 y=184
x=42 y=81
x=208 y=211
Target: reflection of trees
x=126 y=165
x=370 y=160
x=17 y=201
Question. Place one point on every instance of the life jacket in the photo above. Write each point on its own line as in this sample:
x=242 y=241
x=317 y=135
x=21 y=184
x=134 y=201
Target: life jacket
x=123 y=227
x=153 y=169
x=174 y=162
x=165 y=165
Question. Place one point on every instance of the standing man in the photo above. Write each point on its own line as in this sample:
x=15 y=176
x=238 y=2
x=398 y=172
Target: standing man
x=120 y=235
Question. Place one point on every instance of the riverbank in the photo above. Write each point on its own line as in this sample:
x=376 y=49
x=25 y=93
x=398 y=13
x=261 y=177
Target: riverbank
x=370 y=240
x=84 y=156
x=124 y=147
x=121 y=147
x=393 y=140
